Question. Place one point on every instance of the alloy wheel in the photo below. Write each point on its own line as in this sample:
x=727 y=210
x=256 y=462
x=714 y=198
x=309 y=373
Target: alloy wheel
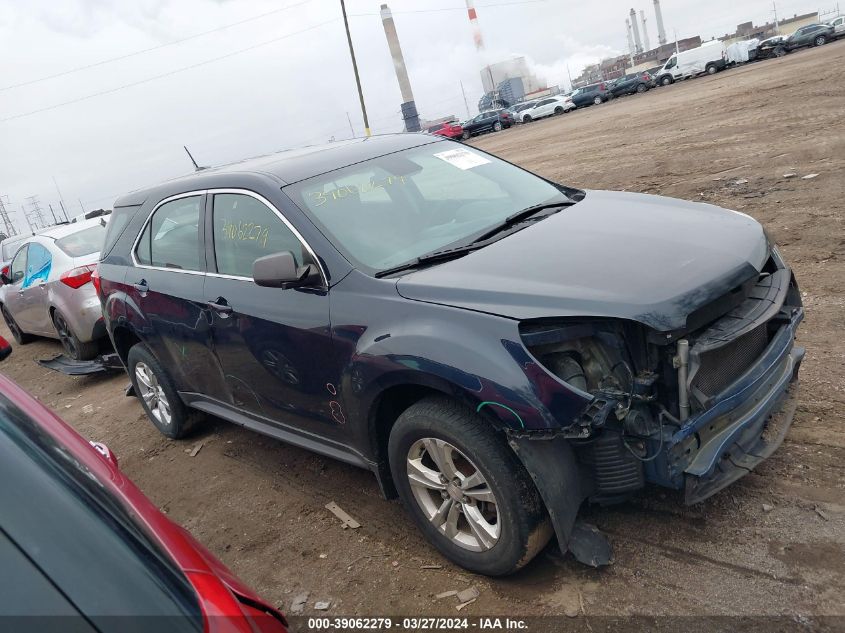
x=65 y=335
x=453 y=494
x=153 y=394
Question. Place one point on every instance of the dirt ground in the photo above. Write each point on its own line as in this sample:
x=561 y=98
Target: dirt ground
x=774 y=543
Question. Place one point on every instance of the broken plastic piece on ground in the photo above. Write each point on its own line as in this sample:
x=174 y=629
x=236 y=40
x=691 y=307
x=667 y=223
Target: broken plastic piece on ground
x=468 y=594
x=346 y=520
x=589 y=545
x=322 y=605
x=70 y=367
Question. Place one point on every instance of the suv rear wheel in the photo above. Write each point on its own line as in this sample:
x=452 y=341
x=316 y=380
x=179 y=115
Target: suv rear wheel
x=158 y=395
x=465 y=489
x=497 y=126
x=598 y=101
x=821 y=40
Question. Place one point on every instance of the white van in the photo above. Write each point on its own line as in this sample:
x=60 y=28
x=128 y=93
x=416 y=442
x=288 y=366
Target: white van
x=710 y=58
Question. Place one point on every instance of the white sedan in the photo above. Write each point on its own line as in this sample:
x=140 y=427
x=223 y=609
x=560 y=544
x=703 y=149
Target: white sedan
x=546 y=107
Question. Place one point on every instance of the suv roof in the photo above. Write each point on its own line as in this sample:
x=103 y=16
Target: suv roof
x=287 y=166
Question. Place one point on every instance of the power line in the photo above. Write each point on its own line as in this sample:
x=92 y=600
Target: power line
x=167 y=74
x=152 y=48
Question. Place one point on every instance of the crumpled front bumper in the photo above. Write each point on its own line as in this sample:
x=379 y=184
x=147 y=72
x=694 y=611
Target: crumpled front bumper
x=748 y=423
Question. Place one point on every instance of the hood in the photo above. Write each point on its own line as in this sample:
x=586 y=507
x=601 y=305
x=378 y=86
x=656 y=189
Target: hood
x=631 y=256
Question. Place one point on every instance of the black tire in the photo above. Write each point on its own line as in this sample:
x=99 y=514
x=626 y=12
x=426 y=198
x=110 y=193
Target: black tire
x=523 y=522
x=821 y=40
x=182 y=418
x=527 y=118
x=74 y=348
x=666 y=81
x=641 y=88
x=465 y=135
x=21 y=337
x=559 y=110
x=598 y=101
x=497 y=126
x=780 y=51
x=711 y=69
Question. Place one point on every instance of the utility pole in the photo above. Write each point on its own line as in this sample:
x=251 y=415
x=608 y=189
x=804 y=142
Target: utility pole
x=64 y=211
x=26 y=217
x=777 y=26
x=677 y=50
x=59 y=191
x=466 y=103
x=355 y=68
x=35 y=215
x=81 y=205
x=4 y=217
x=351 y=129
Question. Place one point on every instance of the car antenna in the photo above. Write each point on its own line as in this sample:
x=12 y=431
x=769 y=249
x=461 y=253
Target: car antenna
x=196 y=167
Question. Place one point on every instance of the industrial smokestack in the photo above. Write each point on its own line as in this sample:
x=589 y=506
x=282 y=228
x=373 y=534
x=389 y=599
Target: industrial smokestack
x=409 y=108
x=637 y=41
x=646 y=42
x=661 y=32
x=630 y=37
x=476 y=29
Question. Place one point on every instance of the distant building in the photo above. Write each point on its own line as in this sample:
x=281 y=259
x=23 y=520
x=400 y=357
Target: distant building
x=494 y=74
x=788 y=26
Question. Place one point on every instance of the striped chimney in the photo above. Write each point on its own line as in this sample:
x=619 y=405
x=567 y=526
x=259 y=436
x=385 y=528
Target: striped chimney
x=476 y=29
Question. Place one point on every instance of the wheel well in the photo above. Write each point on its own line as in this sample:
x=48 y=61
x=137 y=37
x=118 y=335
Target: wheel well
x=389 y=405
x=124 y=339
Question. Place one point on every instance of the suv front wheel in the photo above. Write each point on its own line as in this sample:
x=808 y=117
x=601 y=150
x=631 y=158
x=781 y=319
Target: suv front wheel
x=465 y=488
x=158 y=395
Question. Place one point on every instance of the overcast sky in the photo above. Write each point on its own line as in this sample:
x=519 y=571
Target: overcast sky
x=293 y=86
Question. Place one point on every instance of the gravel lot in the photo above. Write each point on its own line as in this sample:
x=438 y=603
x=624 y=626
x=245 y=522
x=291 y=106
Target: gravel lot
x=774 y=543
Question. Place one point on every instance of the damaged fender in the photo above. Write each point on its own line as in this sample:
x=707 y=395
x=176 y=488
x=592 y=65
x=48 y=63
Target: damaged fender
x=553 y=467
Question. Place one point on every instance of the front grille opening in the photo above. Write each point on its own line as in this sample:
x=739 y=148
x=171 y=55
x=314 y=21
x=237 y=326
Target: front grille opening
x=721 y=367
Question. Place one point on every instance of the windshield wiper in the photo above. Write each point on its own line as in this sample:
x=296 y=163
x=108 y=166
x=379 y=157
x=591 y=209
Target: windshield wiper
x=431 y=258
x=480 y=242
x=521 y=216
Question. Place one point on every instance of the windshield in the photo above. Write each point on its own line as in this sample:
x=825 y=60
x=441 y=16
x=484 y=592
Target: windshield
x=395 y=208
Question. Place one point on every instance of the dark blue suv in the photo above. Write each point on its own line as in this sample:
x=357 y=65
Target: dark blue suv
x=497 y=348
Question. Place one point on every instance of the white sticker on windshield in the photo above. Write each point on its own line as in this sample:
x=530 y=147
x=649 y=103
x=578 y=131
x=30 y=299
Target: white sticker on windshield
x=462 y=158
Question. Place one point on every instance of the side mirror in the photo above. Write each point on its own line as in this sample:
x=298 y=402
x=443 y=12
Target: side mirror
x=279 y=270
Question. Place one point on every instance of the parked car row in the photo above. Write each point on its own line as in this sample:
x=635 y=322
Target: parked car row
x=709 y=58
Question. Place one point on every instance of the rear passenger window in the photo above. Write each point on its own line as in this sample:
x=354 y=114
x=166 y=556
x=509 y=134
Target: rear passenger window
x=245 y=229
x=171 y=238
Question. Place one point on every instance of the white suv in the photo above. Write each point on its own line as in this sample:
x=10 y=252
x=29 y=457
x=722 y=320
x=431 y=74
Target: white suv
x=546 y=107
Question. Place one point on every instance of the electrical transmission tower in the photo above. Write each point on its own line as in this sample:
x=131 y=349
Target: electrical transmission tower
x=35 y=215
x=4 y=217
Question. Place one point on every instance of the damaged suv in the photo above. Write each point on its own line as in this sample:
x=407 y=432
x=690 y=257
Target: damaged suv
x=497 y=348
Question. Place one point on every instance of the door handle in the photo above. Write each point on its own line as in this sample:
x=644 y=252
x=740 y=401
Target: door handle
x=43 y=285
x=220 y=305
x=141 y=286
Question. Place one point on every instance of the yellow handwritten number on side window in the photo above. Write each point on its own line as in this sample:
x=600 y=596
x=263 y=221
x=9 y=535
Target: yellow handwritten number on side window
x=246 y=232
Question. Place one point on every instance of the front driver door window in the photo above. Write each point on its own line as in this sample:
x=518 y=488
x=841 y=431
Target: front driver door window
x=14 y=296
x=273 y=346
